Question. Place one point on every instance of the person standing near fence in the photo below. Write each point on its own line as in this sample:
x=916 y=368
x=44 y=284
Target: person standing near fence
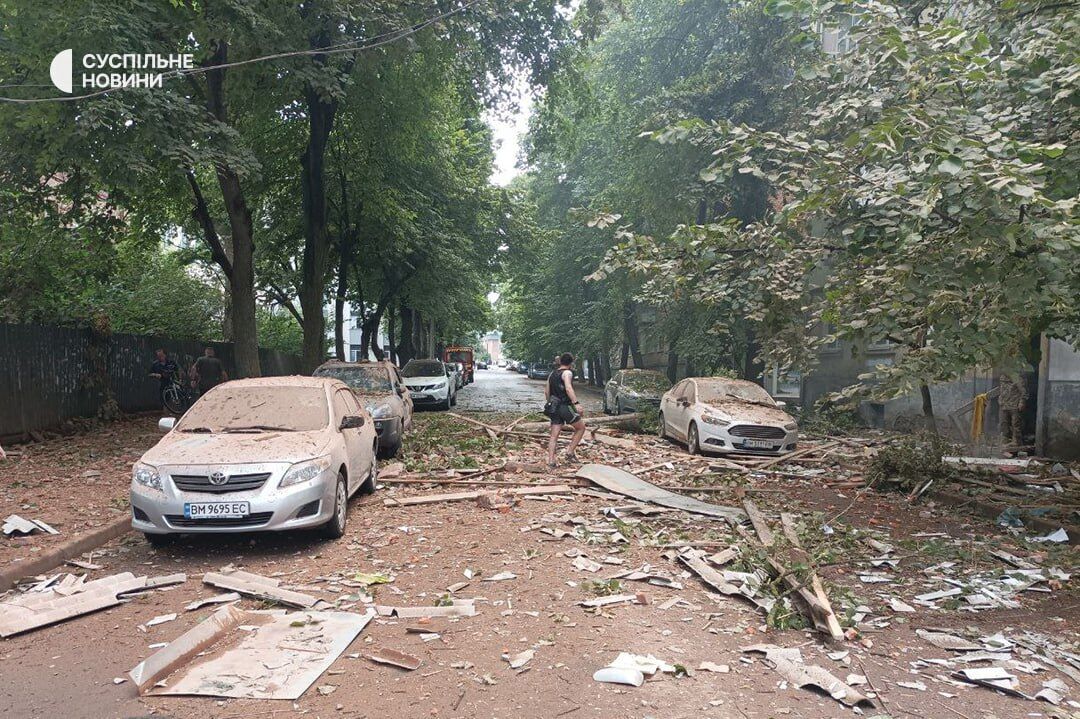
x=208 y=372
x=164 y=370
x=1011 y=400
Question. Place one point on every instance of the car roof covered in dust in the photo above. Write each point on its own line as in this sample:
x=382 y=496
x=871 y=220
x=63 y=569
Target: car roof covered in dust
x=287 y=381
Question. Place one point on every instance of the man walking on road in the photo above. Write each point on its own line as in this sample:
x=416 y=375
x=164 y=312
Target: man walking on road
x=563 y=408
x=208 y=372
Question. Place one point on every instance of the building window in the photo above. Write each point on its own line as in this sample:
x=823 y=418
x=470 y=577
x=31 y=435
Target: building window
x=834 y=345
x=885 y=345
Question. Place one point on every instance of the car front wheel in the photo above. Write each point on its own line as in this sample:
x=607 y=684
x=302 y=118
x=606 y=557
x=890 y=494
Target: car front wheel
x=335 y=526
x=692 y=444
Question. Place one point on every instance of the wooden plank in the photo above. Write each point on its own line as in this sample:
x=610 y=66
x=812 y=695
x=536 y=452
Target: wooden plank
x=794 y=455
x=259 y=588
x=760 y=525
x=787 y=524
x=460 y=496
x=817 y=610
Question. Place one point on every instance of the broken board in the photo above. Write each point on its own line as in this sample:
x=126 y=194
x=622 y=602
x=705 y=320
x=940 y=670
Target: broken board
x=626 y=484
x=35 y=610
x=460 y=496
x=260 y=587
x=250 y=654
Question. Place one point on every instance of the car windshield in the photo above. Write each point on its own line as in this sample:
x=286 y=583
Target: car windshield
x=367 y=379
x=423 y=369
x=645 y=381
x=749 y=392
x=240 y=408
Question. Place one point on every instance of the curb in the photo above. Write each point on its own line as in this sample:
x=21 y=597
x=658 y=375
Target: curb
x=45 y=561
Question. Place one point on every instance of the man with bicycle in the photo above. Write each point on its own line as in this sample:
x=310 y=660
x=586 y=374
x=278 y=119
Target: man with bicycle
x=165 y=371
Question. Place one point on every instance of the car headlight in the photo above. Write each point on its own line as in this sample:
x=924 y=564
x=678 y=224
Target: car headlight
x=304 y=471
x=146 y=475
x=713 y=419
x=381 y=411
x=791 y=427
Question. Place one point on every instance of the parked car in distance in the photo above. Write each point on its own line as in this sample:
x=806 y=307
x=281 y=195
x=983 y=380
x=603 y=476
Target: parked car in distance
x=381 y=390
x=523 y=368
x=261 y=454
x=430 y=382
x=501 y=363
x=539 y=370
x=631 y=390
x=717 y=414
x=481 y=364
x=512 y=365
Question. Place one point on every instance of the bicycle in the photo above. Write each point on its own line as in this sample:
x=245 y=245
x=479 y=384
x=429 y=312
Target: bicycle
x=174 y=397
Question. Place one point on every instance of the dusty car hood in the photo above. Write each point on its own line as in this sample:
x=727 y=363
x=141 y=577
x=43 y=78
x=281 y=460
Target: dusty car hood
x=749 y=412
x=186 y=448
x=421 y=381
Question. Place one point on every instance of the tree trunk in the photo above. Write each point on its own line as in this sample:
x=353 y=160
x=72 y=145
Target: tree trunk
x=605 y=359
x=339 y=308
x=928 y=409
x=406 y=347
x=752 y=368
x=242 y=263
x=391 y=347
x=624 y=357
x=321 y=114
x=376 y=322
x=672 y=365
x=630 y=328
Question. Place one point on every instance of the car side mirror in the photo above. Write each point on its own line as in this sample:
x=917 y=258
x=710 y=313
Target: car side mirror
x=165 y=424
x=400 y=391
x=352 y=421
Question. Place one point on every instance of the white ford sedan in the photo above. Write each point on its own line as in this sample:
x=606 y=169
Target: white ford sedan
x=717 y=414
x=267 y=454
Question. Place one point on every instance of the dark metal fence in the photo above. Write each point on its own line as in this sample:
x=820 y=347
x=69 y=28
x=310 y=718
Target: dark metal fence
x=51 y=374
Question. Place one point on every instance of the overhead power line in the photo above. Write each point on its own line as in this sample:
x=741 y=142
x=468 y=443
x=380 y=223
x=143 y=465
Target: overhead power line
x=364 y=44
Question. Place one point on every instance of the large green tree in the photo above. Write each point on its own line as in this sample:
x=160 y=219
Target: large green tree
x=926 y=196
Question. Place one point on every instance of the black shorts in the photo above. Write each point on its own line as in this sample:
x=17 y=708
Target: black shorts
x=565 y=415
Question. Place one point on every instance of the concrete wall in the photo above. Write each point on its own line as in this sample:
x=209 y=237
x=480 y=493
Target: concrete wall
x=1059 y=408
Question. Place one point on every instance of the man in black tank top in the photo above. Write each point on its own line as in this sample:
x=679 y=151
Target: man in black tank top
x=563 y=408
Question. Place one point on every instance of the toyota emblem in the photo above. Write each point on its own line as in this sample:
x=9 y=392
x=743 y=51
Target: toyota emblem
x=218 y=478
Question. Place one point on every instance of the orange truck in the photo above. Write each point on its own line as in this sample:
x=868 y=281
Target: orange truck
x=464 y=355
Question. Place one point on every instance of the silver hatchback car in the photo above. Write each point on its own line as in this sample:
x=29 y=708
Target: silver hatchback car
x=266 y=454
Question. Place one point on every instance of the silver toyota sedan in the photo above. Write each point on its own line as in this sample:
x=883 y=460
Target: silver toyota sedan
x=266 y=454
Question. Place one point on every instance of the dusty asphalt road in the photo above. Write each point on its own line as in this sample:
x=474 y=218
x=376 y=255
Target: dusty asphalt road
x=67 y=670
x=500 y=390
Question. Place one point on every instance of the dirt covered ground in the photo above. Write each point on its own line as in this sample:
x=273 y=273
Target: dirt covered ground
x=69 y=669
